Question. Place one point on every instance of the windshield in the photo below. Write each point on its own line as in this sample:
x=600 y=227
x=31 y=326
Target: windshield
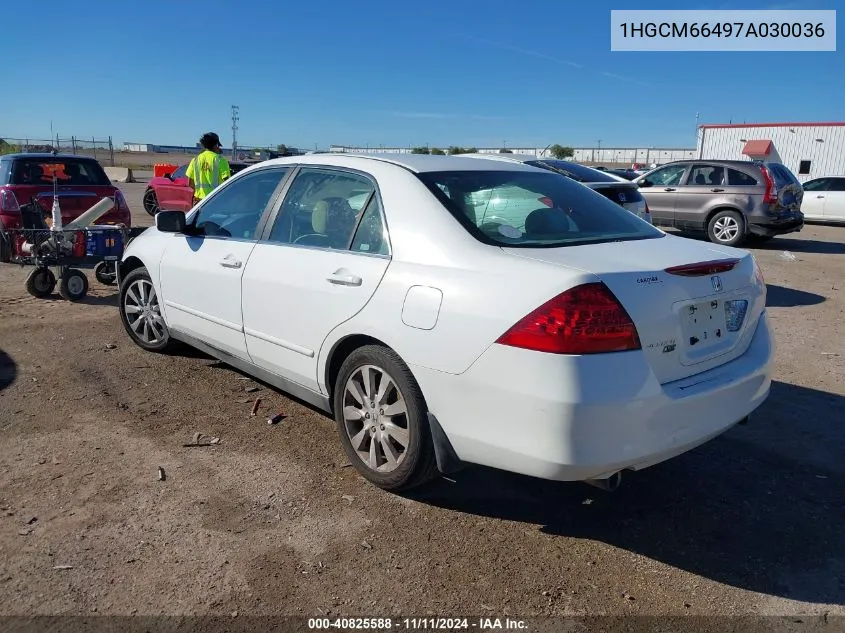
x=574 y=170
x=68 y=171
x=533 y=209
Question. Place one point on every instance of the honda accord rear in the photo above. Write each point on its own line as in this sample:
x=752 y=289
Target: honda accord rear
x=620 y=347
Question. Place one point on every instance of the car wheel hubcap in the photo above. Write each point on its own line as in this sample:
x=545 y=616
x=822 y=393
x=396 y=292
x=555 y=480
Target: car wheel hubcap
x=726 y=229
x=143 y=312
x=375 y=417
x=74 y=285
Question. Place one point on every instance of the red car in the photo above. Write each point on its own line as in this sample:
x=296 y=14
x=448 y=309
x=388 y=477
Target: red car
x=82 y=182
x=172 y=192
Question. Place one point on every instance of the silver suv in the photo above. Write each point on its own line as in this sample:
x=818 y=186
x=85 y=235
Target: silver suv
x=730 y=200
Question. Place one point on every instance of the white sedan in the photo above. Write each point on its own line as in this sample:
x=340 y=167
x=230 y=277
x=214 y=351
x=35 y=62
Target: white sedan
x=572 y=344
x=824 y=199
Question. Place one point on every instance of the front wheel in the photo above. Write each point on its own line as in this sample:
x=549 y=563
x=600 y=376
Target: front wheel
x=382 y=421
x=726 y=228
x=151 y=202
x=74 y=285
x=140 y=312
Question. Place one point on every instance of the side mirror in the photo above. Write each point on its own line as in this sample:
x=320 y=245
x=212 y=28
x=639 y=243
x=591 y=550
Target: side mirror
x=170 y=221
x=168 y=176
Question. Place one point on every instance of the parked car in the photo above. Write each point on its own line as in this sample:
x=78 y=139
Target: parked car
x=627 y=174
x=824 y=199
x=588 y=343
x=81 y=182
x=730 y=200
x=173 y=191
x=611 y=186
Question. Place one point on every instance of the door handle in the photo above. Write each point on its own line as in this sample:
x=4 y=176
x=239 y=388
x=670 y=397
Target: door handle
x=344 y=278
x=819 y=196
x=230 y=262
x=717 y=190
x=669 y=189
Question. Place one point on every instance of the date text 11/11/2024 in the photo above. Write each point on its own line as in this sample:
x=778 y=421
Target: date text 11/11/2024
x=417 y=624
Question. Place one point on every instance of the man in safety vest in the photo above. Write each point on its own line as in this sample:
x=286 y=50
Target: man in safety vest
x=209 y=169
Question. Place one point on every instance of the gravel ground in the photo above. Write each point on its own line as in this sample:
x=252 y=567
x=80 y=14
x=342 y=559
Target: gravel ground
x=273 y=521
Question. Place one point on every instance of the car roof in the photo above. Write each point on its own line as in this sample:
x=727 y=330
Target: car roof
x=417 y=163
x=42 y=155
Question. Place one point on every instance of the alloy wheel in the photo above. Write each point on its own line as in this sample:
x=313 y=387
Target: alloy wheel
x=143 y=312
x=726 y=229
x=375 y=418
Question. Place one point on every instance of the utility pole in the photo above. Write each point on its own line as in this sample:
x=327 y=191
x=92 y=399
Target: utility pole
x=235 y=118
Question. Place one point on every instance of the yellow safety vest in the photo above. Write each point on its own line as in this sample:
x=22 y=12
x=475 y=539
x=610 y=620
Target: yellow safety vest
x=207 y=170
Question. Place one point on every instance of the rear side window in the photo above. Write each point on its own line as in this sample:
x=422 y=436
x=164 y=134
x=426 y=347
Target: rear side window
x=531 y=210
x=706 y=175
x=40 y=171
x=740 y=179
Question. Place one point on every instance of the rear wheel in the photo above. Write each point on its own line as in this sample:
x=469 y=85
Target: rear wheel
x=74 y=285
x=726 y=228
x=151 y=202
x=105 y=273
x=41 y=283
x=140 y=312
x=382 y=421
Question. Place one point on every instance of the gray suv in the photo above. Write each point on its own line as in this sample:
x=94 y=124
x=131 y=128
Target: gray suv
x=730 y=200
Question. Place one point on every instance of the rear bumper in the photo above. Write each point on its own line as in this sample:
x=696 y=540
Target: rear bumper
x=769 y=226
x=577 y=418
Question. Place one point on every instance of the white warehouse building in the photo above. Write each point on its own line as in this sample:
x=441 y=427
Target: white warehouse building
x=809 y=150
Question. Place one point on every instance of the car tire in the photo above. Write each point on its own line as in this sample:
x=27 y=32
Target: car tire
x=151 y=202
x=726 y=228
x=74 y=285
x=41 y=283
x=140 y=312
x=372 y=436
x=5 y=246
x=105 y=273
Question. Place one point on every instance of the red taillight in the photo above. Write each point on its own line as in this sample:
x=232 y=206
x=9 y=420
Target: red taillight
x=546 y=201
x=9 y=202
x=587 y=319
x=771 y=194
x=79 y=244
x=700 y=269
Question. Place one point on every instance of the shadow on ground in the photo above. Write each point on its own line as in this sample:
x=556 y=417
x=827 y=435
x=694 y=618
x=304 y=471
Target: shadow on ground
x=759 y=508
x=801 y=246
x=783 y=297
x=8 y=370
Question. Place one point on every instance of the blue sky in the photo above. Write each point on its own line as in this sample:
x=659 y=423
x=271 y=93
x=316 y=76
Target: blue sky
x=387 y=72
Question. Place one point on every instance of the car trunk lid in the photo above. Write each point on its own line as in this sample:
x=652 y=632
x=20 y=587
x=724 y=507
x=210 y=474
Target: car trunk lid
x=690 y=319
x=624 y=194
x=73 y=200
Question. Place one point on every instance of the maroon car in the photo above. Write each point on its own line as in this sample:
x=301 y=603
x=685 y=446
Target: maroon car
x=82 y=182
x=172 y=192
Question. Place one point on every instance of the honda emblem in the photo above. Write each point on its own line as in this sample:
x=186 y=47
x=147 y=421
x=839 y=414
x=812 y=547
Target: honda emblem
x=622 y=197
x=717 y=283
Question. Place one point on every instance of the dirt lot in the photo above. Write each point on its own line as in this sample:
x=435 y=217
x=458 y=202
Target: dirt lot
x=272 y=521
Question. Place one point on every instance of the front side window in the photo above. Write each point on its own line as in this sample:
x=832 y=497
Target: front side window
x=181 y=172
x=528 y=209
x=235 y=209
x=837 y=184
x=667 y=176
x=706 y=175
x=322 y=208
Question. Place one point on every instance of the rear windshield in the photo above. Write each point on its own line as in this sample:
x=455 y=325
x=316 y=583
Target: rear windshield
x=533 y=209
x=783 y=177
x=574 y=171
x=40 y=171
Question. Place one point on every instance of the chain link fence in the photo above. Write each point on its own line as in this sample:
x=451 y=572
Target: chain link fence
x=99 y=149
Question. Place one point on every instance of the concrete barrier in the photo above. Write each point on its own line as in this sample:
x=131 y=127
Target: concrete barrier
x=120 y=174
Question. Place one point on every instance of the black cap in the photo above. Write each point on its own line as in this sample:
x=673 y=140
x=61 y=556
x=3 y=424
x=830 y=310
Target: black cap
x=210 y=140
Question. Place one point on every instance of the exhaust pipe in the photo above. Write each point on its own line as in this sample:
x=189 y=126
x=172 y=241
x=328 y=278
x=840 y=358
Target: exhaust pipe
x=608 y=484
